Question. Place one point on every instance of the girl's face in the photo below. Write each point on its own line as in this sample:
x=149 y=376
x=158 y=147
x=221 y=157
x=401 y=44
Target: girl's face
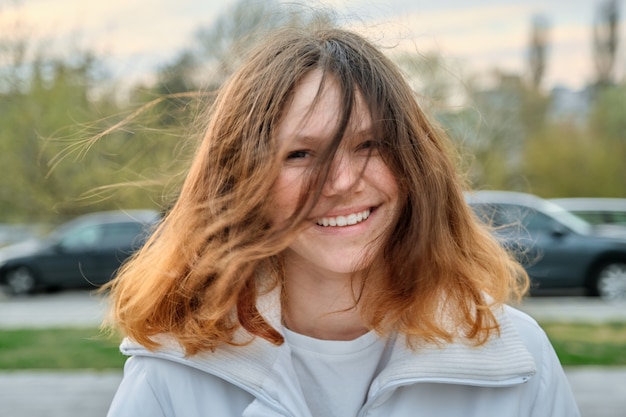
x=360 y=198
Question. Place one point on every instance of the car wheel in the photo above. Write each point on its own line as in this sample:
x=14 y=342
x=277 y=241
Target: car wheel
x=611 y=281
x=20 y=280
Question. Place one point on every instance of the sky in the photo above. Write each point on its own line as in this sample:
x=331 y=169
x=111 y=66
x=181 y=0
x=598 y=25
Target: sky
x=134 y=37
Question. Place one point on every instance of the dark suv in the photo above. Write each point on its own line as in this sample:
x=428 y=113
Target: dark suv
x=84 y=252
x=559 y=250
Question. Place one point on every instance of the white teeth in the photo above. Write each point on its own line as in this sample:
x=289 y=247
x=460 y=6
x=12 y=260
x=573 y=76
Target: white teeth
x=341 y=221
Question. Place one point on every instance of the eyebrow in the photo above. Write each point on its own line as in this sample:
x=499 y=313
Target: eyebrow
x=310 y=140
x=306 y=139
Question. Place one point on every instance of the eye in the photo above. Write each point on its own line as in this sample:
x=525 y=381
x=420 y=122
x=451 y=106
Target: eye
x=368 y=145
x=299 y=154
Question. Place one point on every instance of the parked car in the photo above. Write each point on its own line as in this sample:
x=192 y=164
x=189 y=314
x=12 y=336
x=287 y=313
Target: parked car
x=84 y=252
x=558 y=249
x=596 y=210
x=15 y=233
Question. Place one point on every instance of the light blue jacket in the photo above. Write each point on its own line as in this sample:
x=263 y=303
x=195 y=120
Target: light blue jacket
x=515 y=375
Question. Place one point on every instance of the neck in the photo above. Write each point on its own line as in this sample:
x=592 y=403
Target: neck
x=321 y=304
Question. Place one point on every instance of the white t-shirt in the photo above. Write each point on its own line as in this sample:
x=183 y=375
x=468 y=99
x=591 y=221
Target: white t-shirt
x=335 y=376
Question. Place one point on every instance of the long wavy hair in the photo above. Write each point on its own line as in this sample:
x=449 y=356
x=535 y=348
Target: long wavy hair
x=437 y=275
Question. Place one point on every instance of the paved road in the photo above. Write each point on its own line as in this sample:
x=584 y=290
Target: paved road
x=69 y=308
x=83 y=308
x=57 y=394
x=600 y=392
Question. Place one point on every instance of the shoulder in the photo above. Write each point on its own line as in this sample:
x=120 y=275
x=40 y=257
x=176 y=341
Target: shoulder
x=159 y=372
x=553 y=395
x=522 y=321
x=178 y=389
x=530 y=332
x=179 y=379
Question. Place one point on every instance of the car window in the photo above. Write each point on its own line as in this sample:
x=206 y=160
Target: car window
x=602 y=217
x=590 y=216
x=535 y=221
x=619 y=217
x=500 y=215
x=511 y=215
x=489 y=214
x=81 y=237
x=121 y=235
x=530 y=219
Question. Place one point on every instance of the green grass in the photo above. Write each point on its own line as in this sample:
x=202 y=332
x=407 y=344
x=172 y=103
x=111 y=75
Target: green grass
x=78 y=348
x=58 y=348
x=588 y=344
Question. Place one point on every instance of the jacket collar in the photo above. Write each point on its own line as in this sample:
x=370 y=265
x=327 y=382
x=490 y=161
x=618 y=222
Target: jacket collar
x=503 y=360
x=247 y=366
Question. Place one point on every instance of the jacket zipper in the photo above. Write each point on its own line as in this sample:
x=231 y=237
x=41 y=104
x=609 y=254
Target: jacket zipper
x=392 y=386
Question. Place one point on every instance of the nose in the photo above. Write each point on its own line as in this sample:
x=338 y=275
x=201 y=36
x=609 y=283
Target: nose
x=345 y=175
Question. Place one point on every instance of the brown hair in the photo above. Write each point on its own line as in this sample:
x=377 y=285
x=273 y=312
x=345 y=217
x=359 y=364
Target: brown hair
x=199 y=275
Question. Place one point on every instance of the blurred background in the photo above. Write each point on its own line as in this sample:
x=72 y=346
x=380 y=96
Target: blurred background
x=533 y=94
x=99 y=109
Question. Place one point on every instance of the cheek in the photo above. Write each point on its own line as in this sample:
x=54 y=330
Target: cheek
x=384 y=179
x=285 y=194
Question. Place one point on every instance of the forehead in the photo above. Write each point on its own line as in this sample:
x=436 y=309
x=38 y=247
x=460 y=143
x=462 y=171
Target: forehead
x=313 y=113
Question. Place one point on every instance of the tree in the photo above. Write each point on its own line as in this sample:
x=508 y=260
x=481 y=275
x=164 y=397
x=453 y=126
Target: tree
x=492 y=129
x=50 y=106
x=608 y=114
x=538 y=49
x=431 y=78
x=226 y=41
x=565 y=161
x=605 y=41
x=54 y=96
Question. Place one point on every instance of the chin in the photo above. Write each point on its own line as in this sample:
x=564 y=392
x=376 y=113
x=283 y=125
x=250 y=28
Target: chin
x=343 y=267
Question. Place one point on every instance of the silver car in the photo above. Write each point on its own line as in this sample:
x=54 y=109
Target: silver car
x=596 y=210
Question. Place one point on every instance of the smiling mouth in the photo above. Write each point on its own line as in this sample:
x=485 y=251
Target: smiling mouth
x=341 y=221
